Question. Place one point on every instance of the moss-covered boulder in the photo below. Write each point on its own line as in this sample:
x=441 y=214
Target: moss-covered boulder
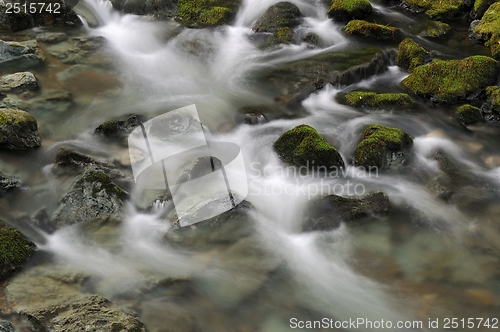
x=491 y=108
x=15 y=250
x=410 y=55
x=281 y=15
x=479 y=8
x=382 y=147
x=452 y=81
x=328 y=212
x=120 y=127
x=468 y=114
x=433 y=29
x=18 y=130
x=371 y=30
x=488 y=29
x=367 y=99
x=346 y=10
x=304 y=146
x=92 y=197
x=436 y=9
x=203 y=13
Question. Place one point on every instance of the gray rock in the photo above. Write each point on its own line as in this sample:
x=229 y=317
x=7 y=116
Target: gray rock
x=54 y=101
x=92 y=197
x=19 y=55
x=328 y=212
x=87 y=313
x=18 y=82
x=6 y=326
x=83 y=50
x=51 y=37
x=8 y=183
x=18 y=130
x=278 y=16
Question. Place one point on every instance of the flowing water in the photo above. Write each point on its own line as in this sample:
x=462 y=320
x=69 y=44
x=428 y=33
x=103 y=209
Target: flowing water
x=428 y=259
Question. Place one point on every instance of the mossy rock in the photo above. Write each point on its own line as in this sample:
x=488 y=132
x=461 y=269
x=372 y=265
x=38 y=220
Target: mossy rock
x=346 y=10
x=362 y=99
x=410 y=55
x=451 y=81
x=468 y=114
x=480 y=7
x=434 y=29
x=371 y=30
x=279 y=16
x=328 y=212
x=382 y=147
x=312 y=39
x=489 y=29
x=15 y=250
x=491 y=108
x=206 y=13
x=304 y=146
x=18 y=130
x=120 y=128
x=437 y=9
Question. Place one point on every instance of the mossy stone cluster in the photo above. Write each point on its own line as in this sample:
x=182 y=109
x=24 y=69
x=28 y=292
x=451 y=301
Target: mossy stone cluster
x=410 y=55
x=380 y=146
x=437 y=9
x=489 y=29
x=371 y=30
x=368 y=99
x=451 y=81
x=205 y=12
x=304 y=146
x=15 y=250
x=468 y=114
x=346 y=10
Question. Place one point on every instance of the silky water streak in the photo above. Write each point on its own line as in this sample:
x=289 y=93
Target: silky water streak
x=171 y=152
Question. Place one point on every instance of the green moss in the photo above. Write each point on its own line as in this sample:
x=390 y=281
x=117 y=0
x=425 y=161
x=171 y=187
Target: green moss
x=304 y=146
x=410 y=55
x=434 y=29
x=284 y=35
x=438 y=9
x=372 y=30
x=281 y=15
x=468 y=114
x=95 y=177
x=451 y=81
x=379 y=100
x=15 y=250
x=480 y=7
x=489 y=28
x=205 y=12
x=493 y=94
x=14 y=116
x=110 y=127
x=345 y=10
x=379 y=143
x=215 y=16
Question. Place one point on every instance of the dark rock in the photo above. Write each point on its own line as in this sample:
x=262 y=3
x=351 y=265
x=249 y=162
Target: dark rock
x=120 y=128
x=6 y=326
x=18 y=82
x=328 y=212
x=278 y=16
x=475 y=36
x=18 y=130
x=92 y=197
x=371 y=30
x=303 y=146
x=15 y=250
x=312 y=39
x=87 y=313
x=491 y=107
x=8 y=183
x=487 y=30
x=434 y=29
x=479 y=8
x=19 y=55
x=255 y=118
x=468 y=114
x=346 y=10
x=157 y=8
x=382 y=147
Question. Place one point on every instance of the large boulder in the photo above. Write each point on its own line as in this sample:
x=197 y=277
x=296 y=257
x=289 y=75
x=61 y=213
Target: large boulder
x=452 y=81
x=371 y=30
x=468 y=114
x=436 y=9
x=93 y=196
x=18 y=130
x=19 y=55
x=87 y=313
x=345 y=10
x=203 y=13
x=304 y=146
x=410 y=55
x=479 y=8
x=487 y=30
x=15 y=250
x=382 y=147
x=373 y=100
x=18 y=82
x=328 y=212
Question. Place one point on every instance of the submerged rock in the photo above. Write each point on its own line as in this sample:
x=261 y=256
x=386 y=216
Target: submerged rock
x=18 y=82
x=410 y=55
x=328 y=212
x=51 y=37
x=371 y=30
x=18 y=130
x=382 y=147
x=366 y=99
x=304 y=146
x=280 y=15
x=436 y=9
x=452 y=81
x=15 y=250
x=203 y=13
x=8 y=183
x=434 y=29
x=120 y=128
x=49 y=101
x=84 y=51
x=19 y=55
x=487 y=30
x=345 y=10
x=92 y=197
x=86 y=313
x=468 y=114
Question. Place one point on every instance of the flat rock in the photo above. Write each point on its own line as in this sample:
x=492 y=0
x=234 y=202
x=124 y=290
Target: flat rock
x=51 y=37
x=18 y=82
